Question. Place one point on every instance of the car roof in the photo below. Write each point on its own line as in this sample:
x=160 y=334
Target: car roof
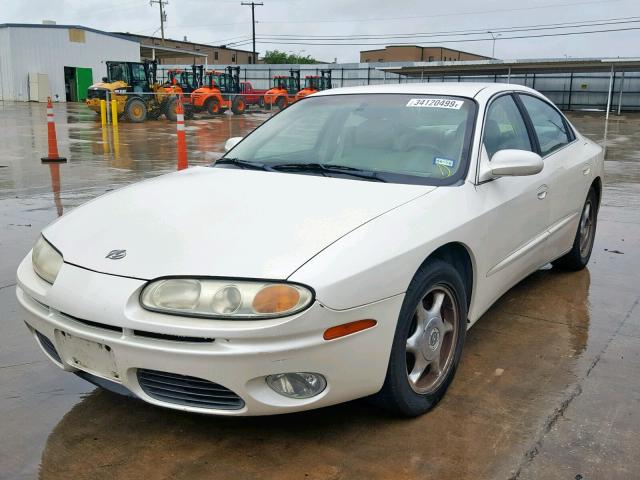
x=463 y=89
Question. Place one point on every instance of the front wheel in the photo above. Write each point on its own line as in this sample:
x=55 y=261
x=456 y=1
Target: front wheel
x=281 y=103
x=428 y=341
x=238 y=106
x=135 y=110
x=578 y=257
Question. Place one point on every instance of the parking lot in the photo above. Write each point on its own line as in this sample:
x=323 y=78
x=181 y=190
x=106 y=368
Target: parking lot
x=548 y=385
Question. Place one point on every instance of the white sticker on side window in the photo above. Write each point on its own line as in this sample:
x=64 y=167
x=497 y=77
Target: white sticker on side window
x=435 y=103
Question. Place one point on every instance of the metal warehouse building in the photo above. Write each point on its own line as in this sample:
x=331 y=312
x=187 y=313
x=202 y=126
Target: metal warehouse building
x=60 y=61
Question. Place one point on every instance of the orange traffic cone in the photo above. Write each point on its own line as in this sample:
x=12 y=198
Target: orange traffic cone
x=53 y=142
x=182 y=140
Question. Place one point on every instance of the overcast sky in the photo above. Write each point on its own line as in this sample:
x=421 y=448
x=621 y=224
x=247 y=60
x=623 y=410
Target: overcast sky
x=222 y=21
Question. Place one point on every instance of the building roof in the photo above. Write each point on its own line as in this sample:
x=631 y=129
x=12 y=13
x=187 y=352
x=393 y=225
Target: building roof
x=222 y=47
x=78 y=27
x=428 y=46
x=502 y=67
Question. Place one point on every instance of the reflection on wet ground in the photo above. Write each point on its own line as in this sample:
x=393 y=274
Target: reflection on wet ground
x=548 y=386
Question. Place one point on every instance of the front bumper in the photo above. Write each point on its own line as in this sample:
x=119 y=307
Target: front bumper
x=103 y=310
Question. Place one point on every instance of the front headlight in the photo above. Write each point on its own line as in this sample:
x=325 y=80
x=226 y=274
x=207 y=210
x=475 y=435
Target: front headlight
x=235 y=299
x=46 y=260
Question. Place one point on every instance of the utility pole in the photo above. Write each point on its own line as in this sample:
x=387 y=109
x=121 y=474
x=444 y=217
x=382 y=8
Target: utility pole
x=163 y=16
x=253 y=25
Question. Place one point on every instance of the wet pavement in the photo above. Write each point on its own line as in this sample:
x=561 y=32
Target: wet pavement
x=549 y=384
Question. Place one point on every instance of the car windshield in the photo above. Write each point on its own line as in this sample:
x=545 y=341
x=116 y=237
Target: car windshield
x=419 y=139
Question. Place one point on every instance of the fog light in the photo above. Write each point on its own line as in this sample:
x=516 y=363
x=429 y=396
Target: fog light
x=297 y=385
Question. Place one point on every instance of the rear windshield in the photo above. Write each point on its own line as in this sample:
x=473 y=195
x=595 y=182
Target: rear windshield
x=420 y=139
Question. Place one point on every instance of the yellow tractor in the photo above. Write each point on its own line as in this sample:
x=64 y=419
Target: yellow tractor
x=134 y=87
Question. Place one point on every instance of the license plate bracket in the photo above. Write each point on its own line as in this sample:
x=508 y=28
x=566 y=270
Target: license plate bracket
x=87 y=355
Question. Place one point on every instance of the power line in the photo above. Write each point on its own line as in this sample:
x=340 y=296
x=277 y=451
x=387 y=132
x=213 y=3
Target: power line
x=471 y=12
x=548 y=26
x=454 y=41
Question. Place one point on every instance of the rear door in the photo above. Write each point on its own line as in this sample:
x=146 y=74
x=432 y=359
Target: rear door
x=568 y=170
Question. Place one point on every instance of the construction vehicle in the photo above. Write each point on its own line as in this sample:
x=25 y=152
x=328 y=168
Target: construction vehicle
x=134 y=87
x=284 y=90
x=221 y=92
x=315 y=83
x=181 y=83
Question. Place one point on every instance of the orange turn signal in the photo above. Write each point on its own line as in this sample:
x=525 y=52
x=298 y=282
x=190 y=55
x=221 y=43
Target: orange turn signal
x=348 y=328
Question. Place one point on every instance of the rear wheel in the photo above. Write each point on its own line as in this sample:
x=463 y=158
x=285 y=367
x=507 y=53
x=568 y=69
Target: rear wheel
x=428 y=341
x=281 y=103
x=171 y=109
x=135 y=110
x=238 y=106
x=578 y=257
x=212 y=106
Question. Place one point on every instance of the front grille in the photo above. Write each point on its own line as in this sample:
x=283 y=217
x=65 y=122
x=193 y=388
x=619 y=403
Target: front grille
x=172 y=338
x=99 y=93
x=190 y=391
x=90 y=323
x=48 y=347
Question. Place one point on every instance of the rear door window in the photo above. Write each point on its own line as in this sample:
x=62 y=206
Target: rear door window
x=549 y=125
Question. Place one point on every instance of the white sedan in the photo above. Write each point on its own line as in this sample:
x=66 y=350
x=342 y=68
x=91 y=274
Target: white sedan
x=341 y=250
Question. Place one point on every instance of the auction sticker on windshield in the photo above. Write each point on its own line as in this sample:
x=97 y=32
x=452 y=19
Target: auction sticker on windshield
x=435 y=103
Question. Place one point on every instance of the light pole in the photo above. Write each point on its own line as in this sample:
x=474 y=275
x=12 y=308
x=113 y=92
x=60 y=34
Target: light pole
x=493 y=48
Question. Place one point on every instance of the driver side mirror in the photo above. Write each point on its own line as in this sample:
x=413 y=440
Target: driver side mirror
x=515 y=163
x=232 y=142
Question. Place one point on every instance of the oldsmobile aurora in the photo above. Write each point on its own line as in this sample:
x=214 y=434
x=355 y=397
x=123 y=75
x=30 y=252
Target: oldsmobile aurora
x=340 y=250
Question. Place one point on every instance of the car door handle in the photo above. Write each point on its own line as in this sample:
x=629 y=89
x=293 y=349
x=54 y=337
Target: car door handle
x=542 y=192
x=586 y=170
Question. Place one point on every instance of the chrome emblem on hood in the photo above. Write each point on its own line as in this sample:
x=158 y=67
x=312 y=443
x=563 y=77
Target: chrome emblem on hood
x=116 y=254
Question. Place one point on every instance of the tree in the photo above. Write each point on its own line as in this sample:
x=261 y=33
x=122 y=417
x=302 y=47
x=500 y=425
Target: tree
x=276 y=56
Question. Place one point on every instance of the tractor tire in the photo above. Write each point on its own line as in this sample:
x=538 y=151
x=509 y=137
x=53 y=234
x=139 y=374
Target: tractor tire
x=239 y=105
x=281 y=103
x=154 y=114
x=170 y=109
x=189 y=112
x=261 y=103
x=212 y=105
x=135 y=110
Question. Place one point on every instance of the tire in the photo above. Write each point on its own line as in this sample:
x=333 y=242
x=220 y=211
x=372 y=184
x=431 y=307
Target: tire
x=188 y=111
x=135 y=110
x=261 y=102
x=154 y=114
x=238 y=106
x=170 y=109
x=281 y=103
x=406 y=391
x=578 y=257
x=212 y=106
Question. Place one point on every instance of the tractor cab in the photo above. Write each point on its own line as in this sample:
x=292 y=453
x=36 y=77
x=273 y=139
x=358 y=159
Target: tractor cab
x=219 y=93
x=186 y=80
x=284 y=90
x=315 y=83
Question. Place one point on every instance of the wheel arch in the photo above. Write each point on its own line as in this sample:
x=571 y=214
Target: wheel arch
x=597 y=186
x=460 y=256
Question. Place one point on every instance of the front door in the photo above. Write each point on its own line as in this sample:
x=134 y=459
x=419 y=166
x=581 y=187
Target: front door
x=516 y=209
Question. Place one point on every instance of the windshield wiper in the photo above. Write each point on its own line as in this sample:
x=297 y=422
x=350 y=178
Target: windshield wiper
x=242 y=164
x=324 y=168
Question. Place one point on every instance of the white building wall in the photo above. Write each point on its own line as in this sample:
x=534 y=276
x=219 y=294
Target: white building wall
x=47 y=50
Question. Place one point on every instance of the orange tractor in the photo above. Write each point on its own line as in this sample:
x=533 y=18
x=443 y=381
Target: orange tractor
x=219 y=93
x=315 y=83
x=181 y=83
x=284 y=90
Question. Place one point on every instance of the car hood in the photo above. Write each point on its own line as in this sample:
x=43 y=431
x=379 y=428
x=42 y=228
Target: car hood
x=220 y=222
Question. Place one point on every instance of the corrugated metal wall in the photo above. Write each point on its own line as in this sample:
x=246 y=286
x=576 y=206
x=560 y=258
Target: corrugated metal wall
x=576 y=91
x=25 y=50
